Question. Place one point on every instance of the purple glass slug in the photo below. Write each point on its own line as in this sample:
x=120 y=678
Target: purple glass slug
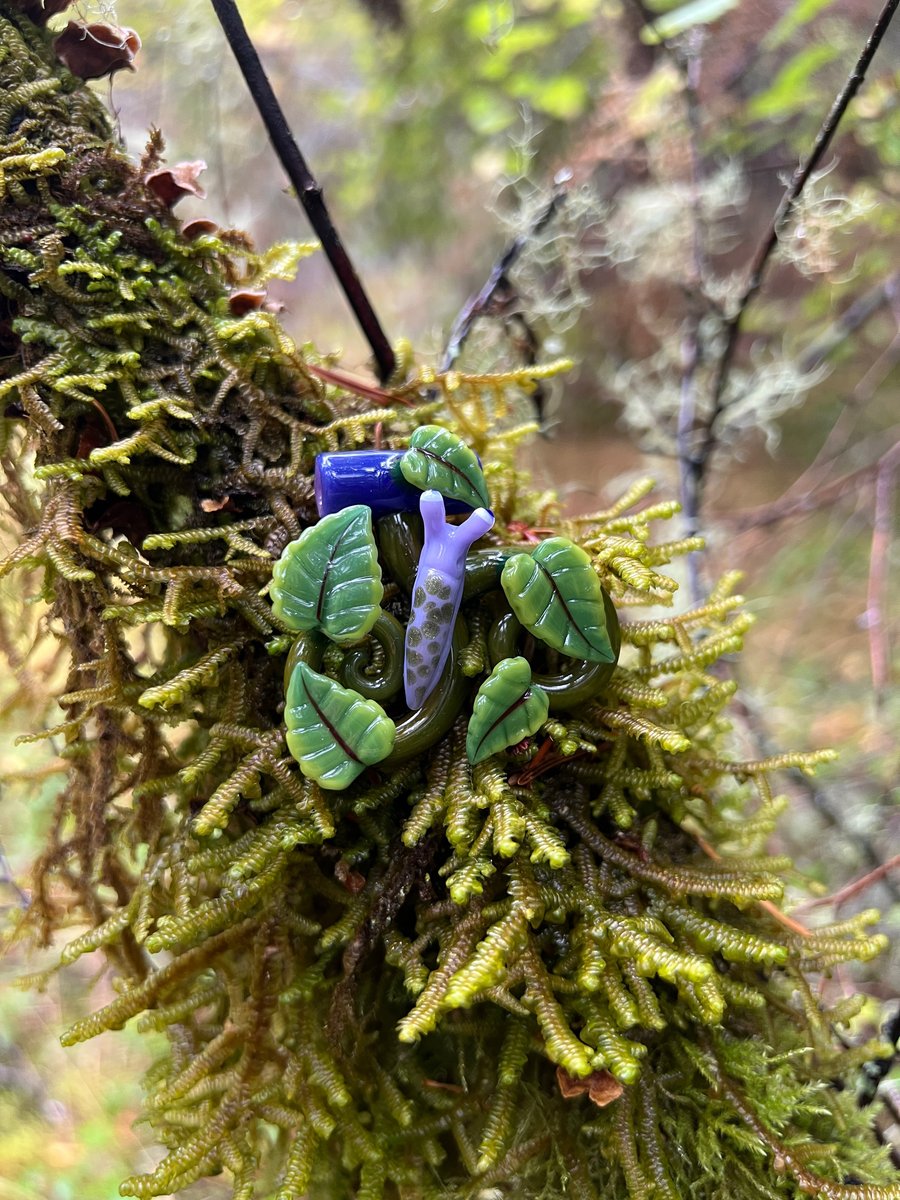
x=437 y=593
x=371 y=477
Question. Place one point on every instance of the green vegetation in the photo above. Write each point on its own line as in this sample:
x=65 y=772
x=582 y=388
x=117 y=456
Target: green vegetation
x=561 y=971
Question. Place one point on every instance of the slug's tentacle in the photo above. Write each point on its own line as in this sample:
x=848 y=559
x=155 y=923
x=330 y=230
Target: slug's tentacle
x=400 y=540
x=425 y=726
x=355 y=669
x=437 y=594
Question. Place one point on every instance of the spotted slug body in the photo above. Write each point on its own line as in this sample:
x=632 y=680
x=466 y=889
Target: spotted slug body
x=437 y=594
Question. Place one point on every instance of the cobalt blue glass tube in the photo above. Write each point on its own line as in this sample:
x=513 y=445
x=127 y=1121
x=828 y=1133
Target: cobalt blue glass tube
x=372 y=477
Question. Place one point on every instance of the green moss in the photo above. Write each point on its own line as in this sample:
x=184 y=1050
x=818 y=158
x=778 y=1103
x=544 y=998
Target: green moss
x=386 y=991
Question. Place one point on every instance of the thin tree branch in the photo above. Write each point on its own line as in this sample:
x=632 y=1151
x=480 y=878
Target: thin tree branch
x=361 y=387
x=689 y=64
x=854 y=888
x=878 y=372
x=877 y=594
x=830 y=808
x=308 y=191
x=478 y=304
x=780 y=220
x=850 y=321
x=811 y=490
x=792 y=505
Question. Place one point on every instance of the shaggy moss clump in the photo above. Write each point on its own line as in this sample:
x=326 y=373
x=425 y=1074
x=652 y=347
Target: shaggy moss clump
x=560 y=972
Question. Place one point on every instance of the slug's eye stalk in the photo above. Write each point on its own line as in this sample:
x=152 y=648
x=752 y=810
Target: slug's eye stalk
x=437 y=594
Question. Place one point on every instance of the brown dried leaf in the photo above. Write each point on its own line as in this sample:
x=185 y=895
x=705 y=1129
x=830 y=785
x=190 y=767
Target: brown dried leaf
x=169 y=184
x=211 y=506
x=92 y=51
x=600 y=1086
x=603 y=1088
x=195 y=228
x=244 y=301
x=568 y=1085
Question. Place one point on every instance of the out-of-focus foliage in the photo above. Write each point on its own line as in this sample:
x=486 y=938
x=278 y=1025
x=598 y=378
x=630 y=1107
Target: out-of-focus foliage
x=416 y=130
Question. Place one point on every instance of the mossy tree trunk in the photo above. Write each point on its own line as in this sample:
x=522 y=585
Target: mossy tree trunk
x=536 y=975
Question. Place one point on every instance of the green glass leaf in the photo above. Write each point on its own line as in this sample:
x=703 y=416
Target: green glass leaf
x=329 y=578
x=508 y=707
x=438 y=459
x=557 y=596
x=333 y=733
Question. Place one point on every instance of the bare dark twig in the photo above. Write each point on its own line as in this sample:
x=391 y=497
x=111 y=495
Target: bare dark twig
x=780 y=219
x=308 y=191
x=497 y=283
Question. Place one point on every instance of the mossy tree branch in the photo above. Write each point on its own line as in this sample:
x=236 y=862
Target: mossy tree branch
x=370 y=991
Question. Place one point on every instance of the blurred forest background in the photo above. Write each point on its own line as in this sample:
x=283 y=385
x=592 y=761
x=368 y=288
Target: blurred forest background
x=638 y=151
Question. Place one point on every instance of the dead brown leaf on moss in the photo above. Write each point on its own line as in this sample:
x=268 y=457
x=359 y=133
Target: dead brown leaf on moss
x=170 y=184
x=599 y=1086
x=93 y=51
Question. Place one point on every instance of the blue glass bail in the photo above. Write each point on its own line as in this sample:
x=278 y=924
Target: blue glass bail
x=370 y=477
